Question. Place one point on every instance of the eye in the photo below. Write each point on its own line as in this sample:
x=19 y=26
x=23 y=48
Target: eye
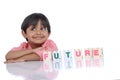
x=43 y=28
x=33 y=28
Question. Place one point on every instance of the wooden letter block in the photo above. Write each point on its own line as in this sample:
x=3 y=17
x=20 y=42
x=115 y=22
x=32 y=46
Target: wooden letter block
x=47 y=56
x=78 y=54
x=97 y=52
x=56 y=56
x=88 y=52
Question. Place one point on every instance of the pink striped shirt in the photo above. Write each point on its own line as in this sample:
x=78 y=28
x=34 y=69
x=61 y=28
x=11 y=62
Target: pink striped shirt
x=49 y=45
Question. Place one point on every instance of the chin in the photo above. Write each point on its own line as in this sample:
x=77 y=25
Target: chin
x=38 y=42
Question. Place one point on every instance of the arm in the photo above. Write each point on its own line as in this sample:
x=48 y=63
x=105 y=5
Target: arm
x=17 y=54
x=29 y=57
x=20 y=53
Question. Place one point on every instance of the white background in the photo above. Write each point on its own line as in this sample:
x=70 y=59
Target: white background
x=74 y=23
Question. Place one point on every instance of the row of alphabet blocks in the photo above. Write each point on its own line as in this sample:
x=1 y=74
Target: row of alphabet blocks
x=70 y=54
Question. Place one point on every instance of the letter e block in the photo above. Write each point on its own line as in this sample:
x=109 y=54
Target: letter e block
x=97 y=52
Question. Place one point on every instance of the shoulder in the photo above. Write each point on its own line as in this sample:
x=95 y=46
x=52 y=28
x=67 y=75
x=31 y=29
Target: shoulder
x=23 y=45
x=50 y=44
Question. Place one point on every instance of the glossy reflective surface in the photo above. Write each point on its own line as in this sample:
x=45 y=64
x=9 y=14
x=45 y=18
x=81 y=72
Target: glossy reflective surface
x=104 y=68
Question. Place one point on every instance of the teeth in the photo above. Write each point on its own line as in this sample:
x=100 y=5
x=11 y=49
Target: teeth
x=37 y=37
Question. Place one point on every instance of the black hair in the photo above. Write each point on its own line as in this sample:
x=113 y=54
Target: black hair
x=33 y=19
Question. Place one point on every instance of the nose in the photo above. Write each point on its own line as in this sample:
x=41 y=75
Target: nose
x=38 y=32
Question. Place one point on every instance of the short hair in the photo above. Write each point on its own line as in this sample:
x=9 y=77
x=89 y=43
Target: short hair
x=33 y=19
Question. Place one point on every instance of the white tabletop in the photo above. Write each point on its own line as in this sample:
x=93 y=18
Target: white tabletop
x=106 y=68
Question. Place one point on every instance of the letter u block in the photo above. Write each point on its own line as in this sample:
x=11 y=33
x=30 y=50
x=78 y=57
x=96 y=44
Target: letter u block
x=56 y=56
x=78 y=54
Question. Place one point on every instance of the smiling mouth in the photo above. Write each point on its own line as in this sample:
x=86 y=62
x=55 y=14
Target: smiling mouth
x=38 y=38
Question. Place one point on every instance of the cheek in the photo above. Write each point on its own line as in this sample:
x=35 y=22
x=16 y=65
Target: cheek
x=47 y=34
x=29 y=34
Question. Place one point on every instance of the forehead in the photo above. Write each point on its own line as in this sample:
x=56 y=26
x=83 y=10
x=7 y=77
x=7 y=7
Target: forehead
x=35 y=22
x=38 y=23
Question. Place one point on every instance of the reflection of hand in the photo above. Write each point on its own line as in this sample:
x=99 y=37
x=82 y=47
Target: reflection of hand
x=13 y=61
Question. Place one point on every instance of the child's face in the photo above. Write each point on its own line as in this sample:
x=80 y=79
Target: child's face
x=36 y=34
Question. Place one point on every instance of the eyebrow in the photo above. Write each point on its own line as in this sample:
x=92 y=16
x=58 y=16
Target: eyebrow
x=32 y=26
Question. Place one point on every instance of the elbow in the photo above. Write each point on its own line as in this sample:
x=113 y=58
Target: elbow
x=7 y=56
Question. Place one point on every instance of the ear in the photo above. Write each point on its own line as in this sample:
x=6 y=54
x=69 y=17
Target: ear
x=24 y=34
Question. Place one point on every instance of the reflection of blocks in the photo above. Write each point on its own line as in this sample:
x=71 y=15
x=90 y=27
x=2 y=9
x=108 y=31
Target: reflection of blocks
x=68 y=59
x=47 y=56
x=97 y=52
x=88 y=62
x=98 y=62
x=78 y=54
x=88 y=52
x=57 y=65
x=47 y=66
x=79 y=63
x=56 y=55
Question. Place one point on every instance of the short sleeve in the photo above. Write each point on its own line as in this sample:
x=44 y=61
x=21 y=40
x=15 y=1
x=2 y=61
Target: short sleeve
x=22 y=46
